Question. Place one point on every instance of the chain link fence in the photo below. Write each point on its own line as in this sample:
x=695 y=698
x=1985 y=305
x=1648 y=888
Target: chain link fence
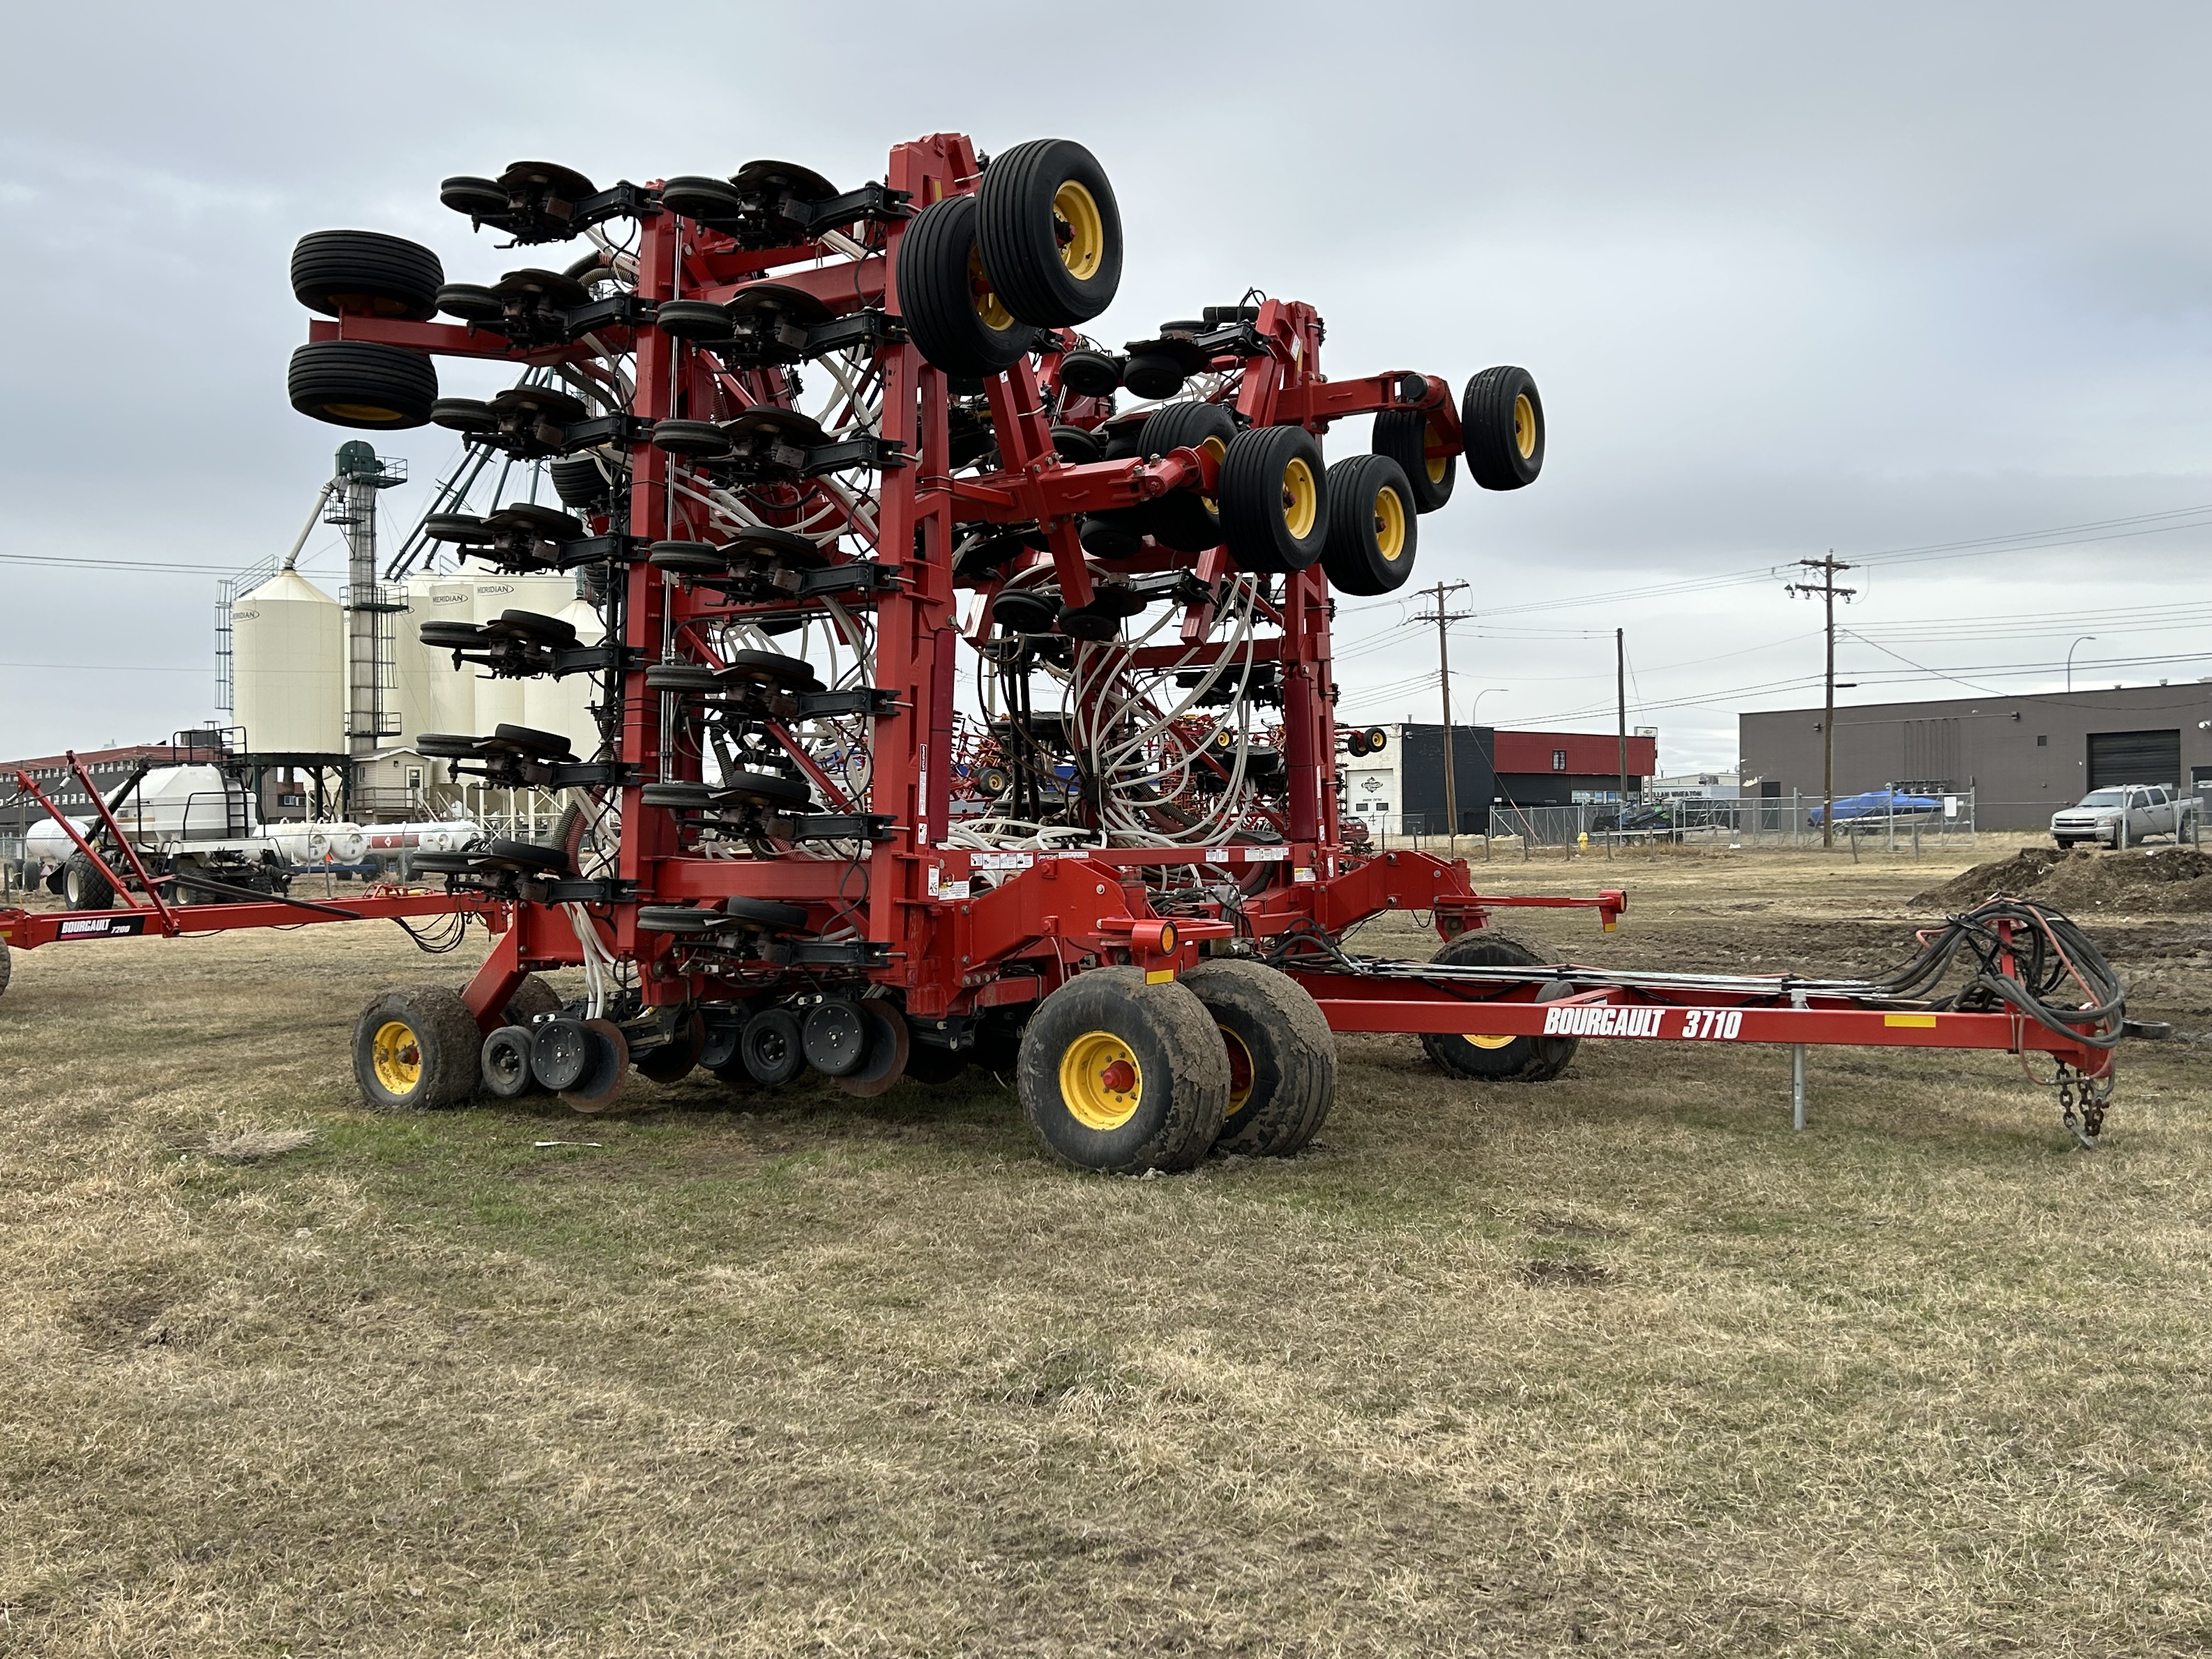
x=1773 y=822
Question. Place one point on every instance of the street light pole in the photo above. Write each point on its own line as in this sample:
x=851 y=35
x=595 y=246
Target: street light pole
x=2070 y=649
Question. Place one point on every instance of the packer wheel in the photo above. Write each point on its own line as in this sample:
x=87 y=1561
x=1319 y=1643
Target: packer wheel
x=504 y=1062
x=1496 y=1059
x=1282 y=1056
x=417 y=1047
x=1123 y=1076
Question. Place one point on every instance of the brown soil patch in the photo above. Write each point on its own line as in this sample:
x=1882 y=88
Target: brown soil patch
x=2168 y=878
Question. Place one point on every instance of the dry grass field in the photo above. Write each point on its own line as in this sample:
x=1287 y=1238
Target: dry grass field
x=1616 y=1365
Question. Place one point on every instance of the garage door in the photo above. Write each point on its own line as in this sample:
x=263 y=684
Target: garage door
x=2134 y=757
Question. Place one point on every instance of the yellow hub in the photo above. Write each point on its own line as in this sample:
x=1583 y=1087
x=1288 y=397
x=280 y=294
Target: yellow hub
x=1219 y=450
x=1079 y=230
x=1101 y=1081
x=1240 y=1071
x=1524 y=426
x=996 y=317
x=1301 y=499
x=375 y=412
x=1390 y=524
x=396 y=1057
x=1437 y=465
x=1488 y=1041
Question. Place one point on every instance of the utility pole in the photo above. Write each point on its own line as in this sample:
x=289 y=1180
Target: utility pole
x=1443 y=684
x=1826 y=591
x=1620 y=691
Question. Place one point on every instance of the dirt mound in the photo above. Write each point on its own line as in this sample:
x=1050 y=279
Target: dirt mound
x=2170 y=878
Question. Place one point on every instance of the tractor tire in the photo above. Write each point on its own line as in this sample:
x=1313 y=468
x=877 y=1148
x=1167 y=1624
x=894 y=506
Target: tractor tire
x=1051 y=232
x=1275 y=501
x=1371 y=526
x=1496 y=1059
x=1119 y=1075
x=1282 y=1056
x=1501 y=425
x=366 y=274
x=83 y=888
x=1182 y=518
x=533 y=997
x=6 y=966
x=417 y=1049
x=1403 y=434
x=504 y=1062
x=352 y=383
x=947 y=303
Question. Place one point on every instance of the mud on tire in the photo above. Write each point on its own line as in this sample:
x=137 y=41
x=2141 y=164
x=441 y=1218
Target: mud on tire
x=1119 y=1075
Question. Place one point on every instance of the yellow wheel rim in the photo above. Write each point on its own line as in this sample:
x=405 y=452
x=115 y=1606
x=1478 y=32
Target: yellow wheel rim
x=1079 y=230
x=1390 y=524
x=996 y=317
x=1101 y=1081
x=1437 y=465
x=1301 y=499
x=1240 y=1071
x=1219 y=450
x=1524 y=426
x=396 y=1057
x=1488 y=1041
x=375 y=412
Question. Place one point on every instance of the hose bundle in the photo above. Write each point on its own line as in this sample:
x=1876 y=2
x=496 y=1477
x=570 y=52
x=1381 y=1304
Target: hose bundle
x=2048 y=953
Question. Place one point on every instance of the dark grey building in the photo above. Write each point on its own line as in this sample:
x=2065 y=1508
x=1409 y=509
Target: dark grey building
x=2024 y=757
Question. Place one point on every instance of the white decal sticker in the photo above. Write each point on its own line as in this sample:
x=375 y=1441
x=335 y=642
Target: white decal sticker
x=1266 y=855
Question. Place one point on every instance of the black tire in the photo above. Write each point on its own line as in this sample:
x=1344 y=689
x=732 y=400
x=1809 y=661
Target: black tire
x=1077 y=446
x=365 y=273
x=1163 y=1074
x=372 y=387
x=926 y=1062
x=769 y=789
x=504 y=1064
x=946 y=302
x=83 y=888
x=1182 y=518
x=579 y=483
x=771 y=914
x=1403 y=435
x=1501 y=423
x=1371 y=526
x=417 y=1047
x=768 y=1048
x=677 y=1058
x=1090 y=374
x=1494 y=1060
x=7 y=965
x=535 y=995
x=1051 y=231
x=1282 y=1056
x=1274 y=499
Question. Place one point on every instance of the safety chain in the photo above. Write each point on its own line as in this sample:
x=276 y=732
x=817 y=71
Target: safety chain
x=2091 y=1095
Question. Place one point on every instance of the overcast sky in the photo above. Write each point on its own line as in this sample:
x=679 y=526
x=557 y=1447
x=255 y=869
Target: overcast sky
x=1891 y=278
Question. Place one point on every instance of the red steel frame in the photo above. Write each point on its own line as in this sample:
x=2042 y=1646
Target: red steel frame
x=1016 y=925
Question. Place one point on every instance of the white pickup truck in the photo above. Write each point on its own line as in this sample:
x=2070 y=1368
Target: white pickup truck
x=2126 y=814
